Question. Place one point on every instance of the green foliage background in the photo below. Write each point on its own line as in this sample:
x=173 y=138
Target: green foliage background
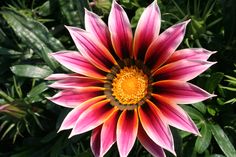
x=32 y=29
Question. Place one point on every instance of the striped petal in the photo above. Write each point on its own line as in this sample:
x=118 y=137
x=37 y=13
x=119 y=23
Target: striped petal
x=77 y=63
x=108 y=133
x=180 y=92
x=149 y=144
x=191 y=54
x=70 y=120
x=72 y=98
x=62 y=76
x=175 y=115
x=127 y=128
x=147 y=30
x=79 y=82
x=92 y=49
x=121 y=33
x=95 y=141
x=151 y=119
x=93 y=117
x=165 y=45
x=95 y=25
x=183 y=70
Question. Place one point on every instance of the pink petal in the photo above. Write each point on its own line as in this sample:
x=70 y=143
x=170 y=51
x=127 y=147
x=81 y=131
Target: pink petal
x=93 y=117
x=70 y=120
x=183 y=70
x=191 y=54
x=95 y=141
x=78 y=82
x=175 y=115
x=180 y=92
x=165 y=45
x=149 y=144
x=127 y=128
x=147 y=29
x=121 y=33
x=62 y=76
x=92 y=49
x=108 y=133
x=95 y=25
x=77 y=63
x=154 y=125
x=72 y=98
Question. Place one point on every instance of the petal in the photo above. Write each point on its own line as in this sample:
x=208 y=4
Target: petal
x=93 y=117
x=121 y=33
x=175 y=115
x=165 y=45
x=183 y=70
x=108 y=133
x=95 y=141
x=62 y=76
x=149 y=144
x=77 y=63
x=180 y=92
x=154 y=125
x=78 y=82
x=95 y=25
x=127 y=128
x=72 y=117
x=92 y=49
x=191 y=54
x=147 y=29
x=72 y=98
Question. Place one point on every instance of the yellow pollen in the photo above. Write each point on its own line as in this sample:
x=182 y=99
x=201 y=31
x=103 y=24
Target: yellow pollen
x=130 y=85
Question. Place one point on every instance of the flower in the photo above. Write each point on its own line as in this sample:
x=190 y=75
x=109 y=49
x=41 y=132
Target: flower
x=126 y=87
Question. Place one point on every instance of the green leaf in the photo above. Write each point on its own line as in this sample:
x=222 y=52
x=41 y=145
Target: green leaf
x=31 y=71
x=223 y=140
x=213 y=81
x=135 y=19
x=200 y=106
x=203 y=142
x=35 y=92
x=9 y=52
x=34 y=35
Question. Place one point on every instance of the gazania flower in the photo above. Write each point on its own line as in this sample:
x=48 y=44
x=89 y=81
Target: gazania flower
x=126 y=88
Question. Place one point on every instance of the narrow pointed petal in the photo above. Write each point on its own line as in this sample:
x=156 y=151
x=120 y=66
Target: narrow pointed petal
x=149 y=144
x=108 y=133
x=120 y=29
x=165 y=45
x=92 y=49
x=95 y=25
x=175 y=115
x=77 y=63
x=180 y=92
x=147 y=30
x=72 y=98
x=62 y=76
x=77 y=82
x=70 y=120
x=183 y=70
x=93 y=117
x=95 y=141
x=127 y=129
x=191 y=54
x=154 y=125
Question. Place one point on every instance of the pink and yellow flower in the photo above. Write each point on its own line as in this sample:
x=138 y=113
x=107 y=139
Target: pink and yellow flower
x=126 y=87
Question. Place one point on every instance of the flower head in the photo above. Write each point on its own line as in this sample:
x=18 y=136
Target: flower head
x=126 y=87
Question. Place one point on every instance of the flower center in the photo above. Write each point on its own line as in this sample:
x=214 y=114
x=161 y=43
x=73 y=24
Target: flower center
x=130 y=85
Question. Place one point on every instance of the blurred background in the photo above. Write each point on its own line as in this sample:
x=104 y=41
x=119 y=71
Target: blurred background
x=32 y=29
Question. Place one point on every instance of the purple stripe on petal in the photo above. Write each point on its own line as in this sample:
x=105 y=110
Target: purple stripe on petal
x=147 y=30
x=180 y=92
x=165 y=45
x=127 y=129
x=95 y=141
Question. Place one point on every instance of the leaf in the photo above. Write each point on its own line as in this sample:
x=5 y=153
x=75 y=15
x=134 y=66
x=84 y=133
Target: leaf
x=136 y=17
x=222 y=140
x=213 y=81
x=194 y=114
x=9 y=52
x=203 y=142
x=34 y=35
x=35 y=92
x=31 y=71
x=200 y=106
